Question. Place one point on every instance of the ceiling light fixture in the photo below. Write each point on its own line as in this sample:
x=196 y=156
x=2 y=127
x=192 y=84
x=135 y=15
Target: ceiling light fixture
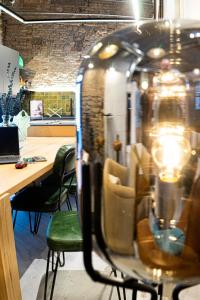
x=113 y=19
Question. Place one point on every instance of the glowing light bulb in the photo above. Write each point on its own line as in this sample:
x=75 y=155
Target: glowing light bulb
x=170 y=151
x=90 y=65
x=144 y=85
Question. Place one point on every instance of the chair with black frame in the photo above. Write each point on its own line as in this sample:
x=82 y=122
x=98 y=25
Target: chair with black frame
x=63 y=235
x=50 y=194
x=71 y=185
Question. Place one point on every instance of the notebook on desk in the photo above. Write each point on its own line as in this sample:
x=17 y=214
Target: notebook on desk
x=9 y=145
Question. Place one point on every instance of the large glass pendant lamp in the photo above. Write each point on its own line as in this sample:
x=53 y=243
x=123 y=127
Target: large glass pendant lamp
x=140 y=143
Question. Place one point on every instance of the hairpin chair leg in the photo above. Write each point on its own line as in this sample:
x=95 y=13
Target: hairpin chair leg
x=54 y=278
x=37 y=218
x=54 y=275
x=68 y=202
x=134 y=294
x=76 y=199
x=62 y=262
x=160 y=291
x=124 y=290
x=47 y=275
x=180 y=287
x=118 y=290
x=15 y=217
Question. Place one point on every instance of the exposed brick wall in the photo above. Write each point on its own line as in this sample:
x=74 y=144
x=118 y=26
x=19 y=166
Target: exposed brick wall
x=92 y=110
x=53 y=53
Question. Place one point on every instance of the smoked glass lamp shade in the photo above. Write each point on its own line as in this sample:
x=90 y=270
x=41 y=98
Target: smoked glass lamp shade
x=140 y=119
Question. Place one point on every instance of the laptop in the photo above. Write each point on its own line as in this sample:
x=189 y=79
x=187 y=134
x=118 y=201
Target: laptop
x=9 y=145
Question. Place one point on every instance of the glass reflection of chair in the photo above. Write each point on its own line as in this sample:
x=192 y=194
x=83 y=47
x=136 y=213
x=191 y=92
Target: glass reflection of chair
x=144 y=163
x=140 y=177
x=50 y=194
x=121 y=187
x=119 y=204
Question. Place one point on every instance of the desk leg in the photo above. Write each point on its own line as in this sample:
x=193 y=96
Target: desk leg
x=9 y=274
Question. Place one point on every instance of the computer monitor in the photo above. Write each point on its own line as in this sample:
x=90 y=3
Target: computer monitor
x=36 y=109
x=9 y=144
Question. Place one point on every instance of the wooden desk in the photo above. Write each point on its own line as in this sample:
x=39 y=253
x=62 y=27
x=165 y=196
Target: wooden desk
x=11 y=181
x=52 y=130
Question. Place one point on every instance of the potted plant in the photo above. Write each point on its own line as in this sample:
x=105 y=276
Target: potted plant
x=10 y=104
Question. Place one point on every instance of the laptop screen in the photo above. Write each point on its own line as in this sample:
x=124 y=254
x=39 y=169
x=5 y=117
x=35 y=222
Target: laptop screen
x=9 y=141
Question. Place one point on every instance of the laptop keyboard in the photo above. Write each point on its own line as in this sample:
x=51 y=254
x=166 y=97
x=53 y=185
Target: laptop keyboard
x=4 y=159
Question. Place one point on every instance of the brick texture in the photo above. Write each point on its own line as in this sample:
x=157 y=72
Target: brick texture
x=53 y=53
x=92 y=111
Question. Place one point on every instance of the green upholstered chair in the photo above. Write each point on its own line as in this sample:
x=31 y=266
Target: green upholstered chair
x=63 y=235
x=51 y=193
x=71 y=185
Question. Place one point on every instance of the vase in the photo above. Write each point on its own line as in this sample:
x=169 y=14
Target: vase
x=6 y=120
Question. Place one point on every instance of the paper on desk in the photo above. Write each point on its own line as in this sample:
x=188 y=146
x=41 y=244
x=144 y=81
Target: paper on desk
x=22 y=120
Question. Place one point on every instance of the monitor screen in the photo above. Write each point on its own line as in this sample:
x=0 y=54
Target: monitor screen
x=36 y=109
x=9 y=141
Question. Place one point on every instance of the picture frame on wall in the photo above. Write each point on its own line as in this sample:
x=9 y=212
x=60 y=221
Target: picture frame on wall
x=36 y=109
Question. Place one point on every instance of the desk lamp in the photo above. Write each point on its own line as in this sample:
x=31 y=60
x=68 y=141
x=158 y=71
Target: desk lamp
x=144 y=223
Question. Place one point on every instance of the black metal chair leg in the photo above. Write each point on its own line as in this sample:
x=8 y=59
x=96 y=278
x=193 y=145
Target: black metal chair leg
x=62 y=263
x=160 y=291
x=118 y=290
x=76 y=199
x=68 y=202
x=134 y=295
x=52 y=261
x=123 y=289
x=180 y=287
x=30 y=223
x=47 y=275
x=37 y=218
x=15 y=217
x=54 y=278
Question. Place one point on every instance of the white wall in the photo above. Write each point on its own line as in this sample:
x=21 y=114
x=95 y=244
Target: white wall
x=115 y=103
x=184 y=9
x=171 y=9
x=189 y=9
x=8 y=55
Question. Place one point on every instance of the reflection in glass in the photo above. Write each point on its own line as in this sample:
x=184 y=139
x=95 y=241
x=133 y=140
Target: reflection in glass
x=150 y=193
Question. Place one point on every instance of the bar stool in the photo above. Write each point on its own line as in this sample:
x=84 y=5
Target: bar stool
x=63 y=235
